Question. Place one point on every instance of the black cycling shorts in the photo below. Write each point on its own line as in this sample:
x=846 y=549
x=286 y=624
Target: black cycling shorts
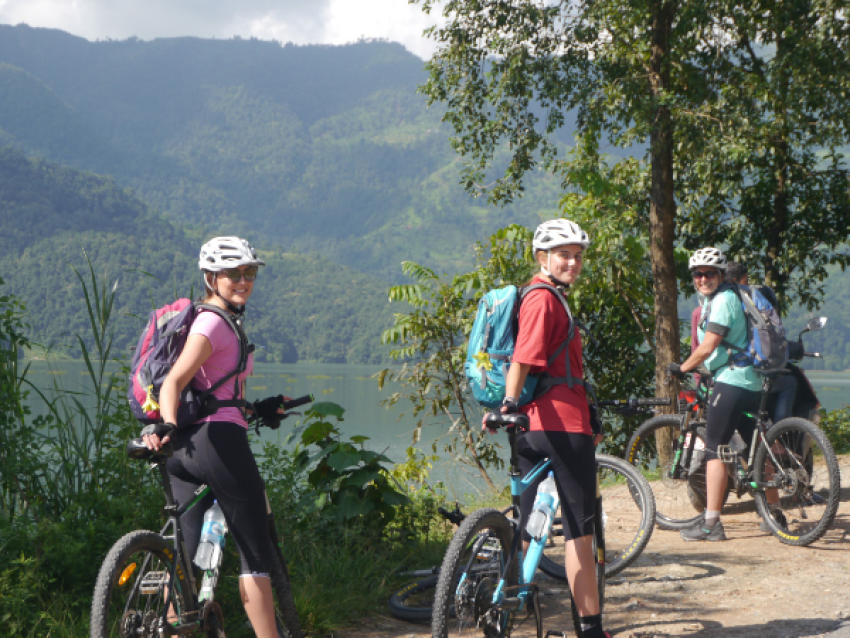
x=726 y=407
x=218 y=454
x=573 y=460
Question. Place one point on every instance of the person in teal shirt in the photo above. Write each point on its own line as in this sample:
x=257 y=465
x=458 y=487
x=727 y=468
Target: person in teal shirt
x=737 y=387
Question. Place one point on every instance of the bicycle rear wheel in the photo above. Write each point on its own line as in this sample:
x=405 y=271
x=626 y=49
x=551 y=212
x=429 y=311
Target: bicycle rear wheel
x=469 y=575
x=652 y=449
x=810 y=481
x=628 y=517
x=130 y=594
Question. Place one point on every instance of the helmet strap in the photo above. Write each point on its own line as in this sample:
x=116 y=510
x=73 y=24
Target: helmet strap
x=234 y=309
x=545 y=271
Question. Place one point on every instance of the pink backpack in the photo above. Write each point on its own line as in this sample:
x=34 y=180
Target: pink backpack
x=159 y=346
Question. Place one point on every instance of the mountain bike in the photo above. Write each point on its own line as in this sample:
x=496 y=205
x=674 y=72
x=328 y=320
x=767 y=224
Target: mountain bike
x=628 y=516
x=147 y=586
x=486 y=578
x=791 y=469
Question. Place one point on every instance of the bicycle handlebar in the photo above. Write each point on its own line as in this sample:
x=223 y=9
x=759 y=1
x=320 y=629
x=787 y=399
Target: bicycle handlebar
x=816 y=355
x=635 y=402
x=294 y=403
x=136 y=448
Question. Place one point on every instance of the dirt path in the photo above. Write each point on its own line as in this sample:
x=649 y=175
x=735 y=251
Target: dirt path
x=751 y=585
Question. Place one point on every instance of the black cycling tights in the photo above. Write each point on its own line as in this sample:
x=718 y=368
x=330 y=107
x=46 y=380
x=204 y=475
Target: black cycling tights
x=218 y=454
x=726 y=407
x=573 y=460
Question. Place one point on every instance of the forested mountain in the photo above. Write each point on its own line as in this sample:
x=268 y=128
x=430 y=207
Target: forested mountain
x=316 y=147
x=303 y=307
x=325 y=157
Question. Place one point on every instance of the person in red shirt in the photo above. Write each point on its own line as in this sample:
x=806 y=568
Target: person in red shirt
x=560 y=419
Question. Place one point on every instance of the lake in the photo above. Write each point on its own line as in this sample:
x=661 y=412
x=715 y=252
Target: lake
x=351 y=386
x=355 y=389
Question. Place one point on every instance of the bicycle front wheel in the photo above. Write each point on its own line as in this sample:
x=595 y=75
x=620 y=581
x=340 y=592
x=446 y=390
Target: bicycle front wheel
x=653 y=451
x=286 y=613
x=804 y=465
x=469 y=575
x=136 y=580
x=628 y=517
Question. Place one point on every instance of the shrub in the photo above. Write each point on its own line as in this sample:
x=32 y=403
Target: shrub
x=836 y=426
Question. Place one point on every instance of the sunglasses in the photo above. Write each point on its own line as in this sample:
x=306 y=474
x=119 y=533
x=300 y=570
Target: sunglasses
x=704 y=274
x=234 y=274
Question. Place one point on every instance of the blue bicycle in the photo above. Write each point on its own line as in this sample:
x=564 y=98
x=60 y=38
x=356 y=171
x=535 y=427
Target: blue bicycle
x=485 y=580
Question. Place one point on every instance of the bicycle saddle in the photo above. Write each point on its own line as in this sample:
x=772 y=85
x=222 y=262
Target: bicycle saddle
x=773 y=372
x=495 y=420
x=136 y=449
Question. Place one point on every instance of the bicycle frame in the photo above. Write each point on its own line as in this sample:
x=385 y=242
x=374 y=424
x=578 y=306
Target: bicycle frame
x=180 y=567
x=528 y=560
x=744 y=476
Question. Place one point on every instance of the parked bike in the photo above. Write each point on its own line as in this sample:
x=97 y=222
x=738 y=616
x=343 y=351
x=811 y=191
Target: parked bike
x=147 y=586
x=793 y=457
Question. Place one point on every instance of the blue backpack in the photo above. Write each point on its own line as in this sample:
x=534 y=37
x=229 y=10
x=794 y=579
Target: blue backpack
x=491 y=345
x=767 y=346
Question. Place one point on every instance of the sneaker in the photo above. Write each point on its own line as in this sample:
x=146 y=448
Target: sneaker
x=811 y=499
x=700 y=532
x=779 y=517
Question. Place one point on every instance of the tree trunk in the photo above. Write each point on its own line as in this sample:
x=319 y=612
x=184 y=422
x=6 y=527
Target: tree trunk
x=662 y=208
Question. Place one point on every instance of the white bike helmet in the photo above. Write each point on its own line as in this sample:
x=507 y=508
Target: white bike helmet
x=559 y=232
x=708 y=257
x=221 y=253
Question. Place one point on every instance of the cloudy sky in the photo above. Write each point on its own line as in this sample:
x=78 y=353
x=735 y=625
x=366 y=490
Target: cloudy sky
x=299 y=21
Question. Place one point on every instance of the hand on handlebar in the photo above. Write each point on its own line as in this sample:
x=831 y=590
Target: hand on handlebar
x=270 y=411
x=509 y=406
x=675 y=370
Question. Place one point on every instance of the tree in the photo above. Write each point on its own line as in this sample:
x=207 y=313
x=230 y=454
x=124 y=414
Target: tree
x=613 y=296
x=431 y=342
x=636 y=73
x=770 y=180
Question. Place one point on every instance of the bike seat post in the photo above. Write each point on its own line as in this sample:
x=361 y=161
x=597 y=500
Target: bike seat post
x=514 y=471
x=166 y=483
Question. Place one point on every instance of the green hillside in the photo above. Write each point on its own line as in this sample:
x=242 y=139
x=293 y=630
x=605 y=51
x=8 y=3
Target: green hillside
x=318 y=148
x=303 y=307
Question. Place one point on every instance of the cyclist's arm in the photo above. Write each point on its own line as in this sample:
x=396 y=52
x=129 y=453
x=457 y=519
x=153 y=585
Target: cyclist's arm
x=196 y=351
x=516 y=379
x=709 y=343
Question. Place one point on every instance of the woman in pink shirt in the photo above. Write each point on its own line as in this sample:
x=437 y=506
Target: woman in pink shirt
x=214 y=450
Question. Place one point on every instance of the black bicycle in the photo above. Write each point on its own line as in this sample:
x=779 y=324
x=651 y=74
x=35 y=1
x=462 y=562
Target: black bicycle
x=791 y=469
x=147 y=587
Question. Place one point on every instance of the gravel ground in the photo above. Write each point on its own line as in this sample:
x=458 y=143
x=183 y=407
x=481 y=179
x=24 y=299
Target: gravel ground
x=751 y=585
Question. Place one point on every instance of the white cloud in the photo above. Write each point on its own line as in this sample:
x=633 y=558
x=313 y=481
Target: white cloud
x=299 y=21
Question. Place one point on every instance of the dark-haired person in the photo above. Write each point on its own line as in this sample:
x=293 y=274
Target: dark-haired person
x=736 y=388
x=559 y=420
x=783 y=390
x=215 y=449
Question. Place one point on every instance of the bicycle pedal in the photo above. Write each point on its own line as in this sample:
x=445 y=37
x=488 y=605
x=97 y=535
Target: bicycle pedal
x=153 y=582
x=727 y=454
x=558 y=634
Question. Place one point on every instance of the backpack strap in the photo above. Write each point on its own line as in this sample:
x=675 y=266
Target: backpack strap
x=548 y=381
x=209 y=401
